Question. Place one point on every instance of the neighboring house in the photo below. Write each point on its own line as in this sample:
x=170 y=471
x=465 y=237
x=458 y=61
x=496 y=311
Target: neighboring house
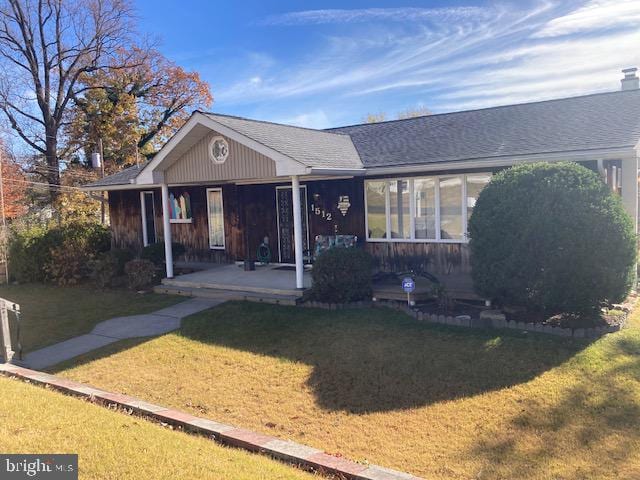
x=222 y=184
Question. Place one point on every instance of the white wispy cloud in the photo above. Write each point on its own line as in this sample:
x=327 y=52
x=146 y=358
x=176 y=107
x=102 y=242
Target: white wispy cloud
x=450 y=59
x=594 y=16
x=327 y=16
x=314 y=119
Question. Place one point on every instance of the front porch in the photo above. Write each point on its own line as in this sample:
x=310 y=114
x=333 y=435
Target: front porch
x=271 y=283
x=276 y=283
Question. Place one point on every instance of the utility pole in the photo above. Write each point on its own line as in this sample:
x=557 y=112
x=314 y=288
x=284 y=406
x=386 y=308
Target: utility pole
x=4 y=223
x=102 y=213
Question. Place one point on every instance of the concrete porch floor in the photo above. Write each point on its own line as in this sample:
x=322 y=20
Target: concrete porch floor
x=265 y=279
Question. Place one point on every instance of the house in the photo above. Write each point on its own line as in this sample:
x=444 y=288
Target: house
x=223 y=185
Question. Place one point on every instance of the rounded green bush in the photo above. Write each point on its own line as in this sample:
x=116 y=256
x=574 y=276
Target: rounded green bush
x=342 y=275
x=551 y=237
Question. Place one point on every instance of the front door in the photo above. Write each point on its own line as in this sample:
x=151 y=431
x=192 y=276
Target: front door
x=284 y=209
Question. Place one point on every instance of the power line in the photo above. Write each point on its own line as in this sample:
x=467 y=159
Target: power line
x=49 y=185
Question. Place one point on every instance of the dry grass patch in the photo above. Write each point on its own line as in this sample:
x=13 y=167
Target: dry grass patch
x=375 y=385
x=111 y=445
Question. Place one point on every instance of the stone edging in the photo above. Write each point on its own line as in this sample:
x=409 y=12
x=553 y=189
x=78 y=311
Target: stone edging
x=488 y=319
x=303 y=456
x=494 y=319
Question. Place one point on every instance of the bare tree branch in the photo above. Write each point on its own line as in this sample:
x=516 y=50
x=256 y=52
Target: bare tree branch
x=56 y=42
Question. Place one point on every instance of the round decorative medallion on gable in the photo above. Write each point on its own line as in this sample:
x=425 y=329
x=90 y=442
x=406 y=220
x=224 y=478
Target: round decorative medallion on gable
x=218 y=149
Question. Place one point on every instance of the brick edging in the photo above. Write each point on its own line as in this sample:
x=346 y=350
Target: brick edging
x=303 y=456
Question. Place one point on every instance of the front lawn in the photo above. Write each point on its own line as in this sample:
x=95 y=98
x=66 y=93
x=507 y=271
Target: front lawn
x=377 y=386
x=112 y=445
x=51 y=314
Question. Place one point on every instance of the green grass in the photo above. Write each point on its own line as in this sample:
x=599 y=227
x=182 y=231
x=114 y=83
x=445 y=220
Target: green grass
x=112 y=445
x=51 y=314
x=375 y=385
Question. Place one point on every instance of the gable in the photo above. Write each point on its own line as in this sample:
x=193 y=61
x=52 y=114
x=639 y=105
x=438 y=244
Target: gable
x=196 y=166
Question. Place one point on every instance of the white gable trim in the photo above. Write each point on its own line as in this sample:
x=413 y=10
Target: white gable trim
x=153 y=173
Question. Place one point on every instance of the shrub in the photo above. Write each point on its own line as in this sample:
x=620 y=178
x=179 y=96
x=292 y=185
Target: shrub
x=68 y=264
x=342 y=275
x=551 y=237
x=108 y=267
x=28 y=254
x=39 y=253
x=140 y=273
x=155 y=252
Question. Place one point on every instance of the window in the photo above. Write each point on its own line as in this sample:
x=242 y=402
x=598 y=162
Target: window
x=422 y=209
x=376 y=193
x=475 y=183
x=399 y=209
x=451 y=227
x=424 y=193
x=216 y=218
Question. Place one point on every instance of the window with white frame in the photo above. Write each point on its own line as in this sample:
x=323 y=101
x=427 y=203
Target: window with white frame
x=422 y=209
x=216 y=218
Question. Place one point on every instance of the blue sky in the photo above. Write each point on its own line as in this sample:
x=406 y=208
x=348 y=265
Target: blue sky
x=322 y=64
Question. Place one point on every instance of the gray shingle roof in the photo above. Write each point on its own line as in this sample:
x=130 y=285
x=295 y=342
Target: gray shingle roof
x=605 y=120
x=598 y=121
x=313 y=148
x=123 y=177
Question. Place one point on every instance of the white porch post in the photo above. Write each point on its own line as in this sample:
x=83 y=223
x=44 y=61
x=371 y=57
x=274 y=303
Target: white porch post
x=166 y=229
x=630 y=188
x=297 y=230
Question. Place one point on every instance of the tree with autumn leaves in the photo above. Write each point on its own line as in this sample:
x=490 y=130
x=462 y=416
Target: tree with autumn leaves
x=74 y=72
x=135 y=110
x=14 y=186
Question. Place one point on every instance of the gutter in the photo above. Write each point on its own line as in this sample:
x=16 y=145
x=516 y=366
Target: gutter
x=483 y=162
x=475 y=163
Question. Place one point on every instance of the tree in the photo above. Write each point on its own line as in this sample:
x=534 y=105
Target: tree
x=135 y=109
x=14 y=186
x=551 y=237
x=375 y=117
x=46 y=46
x=74 y=205
x=419 y=111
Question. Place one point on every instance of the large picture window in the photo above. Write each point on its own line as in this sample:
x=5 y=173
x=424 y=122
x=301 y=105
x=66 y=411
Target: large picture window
x=216 y=218
x=422 y=209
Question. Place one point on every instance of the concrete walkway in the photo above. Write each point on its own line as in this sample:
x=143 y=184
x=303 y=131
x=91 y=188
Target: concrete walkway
x=119 y=328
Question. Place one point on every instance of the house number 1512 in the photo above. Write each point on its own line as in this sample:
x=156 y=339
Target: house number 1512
x=321 y=212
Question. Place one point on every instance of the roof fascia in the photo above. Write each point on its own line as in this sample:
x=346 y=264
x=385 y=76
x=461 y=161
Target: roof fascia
x=572 y=156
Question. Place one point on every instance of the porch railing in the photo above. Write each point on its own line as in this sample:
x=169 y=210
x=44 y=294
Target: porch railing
x=8 y=353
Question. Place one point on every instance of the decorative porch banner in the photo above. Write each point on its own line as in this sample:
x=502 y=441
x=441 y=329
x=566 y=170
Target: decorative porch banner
x=180 y=207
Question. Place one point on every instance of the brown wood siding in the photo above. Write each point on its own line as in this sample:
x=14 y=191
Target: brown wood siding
x=444 y=258
x=125 y=219
x=325 y=195
x=259 y=218
x=250 y=215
